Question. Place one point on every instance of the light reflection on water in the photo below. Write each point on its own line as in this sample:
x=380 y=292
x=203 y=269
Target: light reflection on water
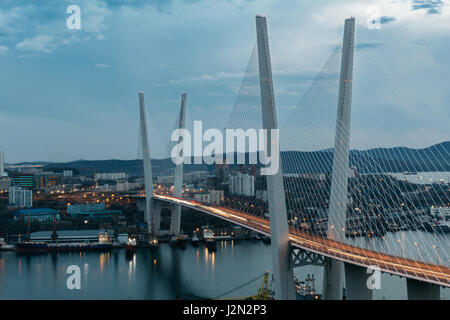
x=167 y=273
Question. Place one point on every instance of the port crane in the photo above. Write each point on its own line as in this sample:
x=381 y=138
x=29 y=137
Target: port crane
x=264 y=291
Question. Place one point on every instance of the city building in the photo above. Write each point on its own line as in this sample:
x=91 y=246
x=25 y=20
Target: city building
x=67 y=173
x=38 y=214
x=120 y=186
x=216 y=196
x=242 y=184
x=440 y=212
x=166 y=180
x=261 y=195
x=188 y=177
x=2 y=165
x=222 y=171
x=110 y=176
x=194 y=176
x=92 y=210
x=5 y=183
x=46 y=180
x=202 y=197
x=23 y=180
x=19 y=197
x=75 y=209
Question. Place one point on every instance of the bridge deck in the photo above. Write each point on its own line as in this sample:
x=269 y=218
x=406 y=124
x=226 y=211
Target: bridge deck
x=408 y=268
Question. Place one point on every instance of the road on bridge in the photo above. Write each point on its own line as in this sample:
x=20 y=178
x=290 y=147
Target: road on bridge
x=408 y=268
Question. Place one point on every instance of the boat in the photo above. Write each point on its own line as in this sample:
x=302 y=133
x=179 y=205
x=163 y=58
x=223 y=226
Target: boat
x=104 y=243
x=179 y=241
x=442 y=226
x=131 y=245
x=210 y=242
x=305 y=290
x=29 y=246
x=207 y=233
x=4 y=246
x=7 y=247
x=153 y=242
x=194 y=241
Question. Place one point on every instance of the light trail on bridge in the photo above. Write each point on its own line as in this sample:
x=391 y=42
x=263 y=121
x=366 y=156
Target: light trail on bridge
x=403 y=267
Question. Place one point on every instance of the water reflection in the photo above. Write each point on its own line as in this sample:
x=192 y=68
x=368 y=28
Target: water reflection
x=167 y=273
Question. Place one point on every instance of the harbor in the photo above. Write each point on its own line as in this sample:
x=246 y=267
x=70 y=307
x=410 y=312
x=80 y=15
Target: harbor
x=166 y=273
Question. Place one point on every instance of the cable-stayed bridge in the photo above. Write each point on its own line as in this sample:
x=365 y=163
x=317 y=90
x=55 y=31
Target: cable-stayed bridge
x=330 y=203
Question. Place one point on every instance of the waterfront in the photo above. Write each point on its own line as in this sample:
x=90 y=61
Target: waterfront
x=165 y=274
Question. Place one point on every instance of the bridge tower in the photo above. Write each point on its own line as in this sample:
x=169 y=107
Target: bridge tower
x=279 y=231
x=148 y=179
x=175 y=220
x=333 y=272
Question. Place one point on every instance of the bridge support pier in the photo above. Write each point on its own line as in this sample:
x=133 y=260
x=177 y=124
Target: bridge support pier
x=356 y=283
x=175 y=220
x=157 y=216
x=332 y=279
x=419 y=290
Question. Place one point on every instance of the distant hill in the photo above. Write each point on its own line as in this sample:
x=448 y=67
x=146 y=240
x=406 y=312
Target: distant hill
x=398 y=159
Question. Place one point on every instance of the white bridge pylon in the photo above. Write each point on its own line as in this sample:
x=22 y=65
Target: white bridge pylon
x=148 y=178
x=175 y=220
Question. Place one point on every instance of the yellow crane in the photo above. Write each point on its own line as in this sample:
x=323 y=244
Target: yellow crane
x=264 y=291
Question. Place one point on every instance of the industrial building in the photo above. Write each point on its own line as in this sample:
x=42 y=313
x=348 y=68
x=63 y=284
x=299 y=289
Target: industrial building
x=92 y=210
x=23 y=180
x=38 y=214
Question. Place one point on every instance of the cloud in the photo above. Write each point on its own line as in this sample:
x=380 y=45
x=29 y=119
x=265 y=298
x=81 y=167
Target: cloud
x=4 y=50
x=385 y=19
x=209 y=77
x=368 y=45
x=101 y=65
x=432 y=6
x=39 y=44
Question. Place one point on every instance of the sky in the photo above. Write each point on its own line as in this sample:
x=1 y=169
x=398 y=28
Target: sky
x=69 y=94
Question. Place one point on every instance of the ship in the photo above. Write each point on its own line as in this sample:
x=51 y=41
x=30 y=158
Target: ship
x=4 y=246
x=210 y=242
x=179 y=241
x=441 y=226
x=28 y=246
x=103 y=244
x=153 y=242
x=194 y=241
x=131 y=245
x=305 y=290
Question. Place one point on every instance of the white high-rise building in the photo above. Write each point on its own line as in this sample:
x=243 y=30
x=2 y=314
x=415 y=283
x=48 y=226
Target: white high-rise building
x=216 y=196
x=242 y=184
x=111 y=176
x=67 y=173
x=19 y=197
x=2 y=164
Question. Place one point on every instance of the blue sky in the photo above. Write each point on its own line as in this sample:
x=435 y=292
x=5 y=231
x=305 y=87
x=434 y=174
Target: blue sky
x=72 y=94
